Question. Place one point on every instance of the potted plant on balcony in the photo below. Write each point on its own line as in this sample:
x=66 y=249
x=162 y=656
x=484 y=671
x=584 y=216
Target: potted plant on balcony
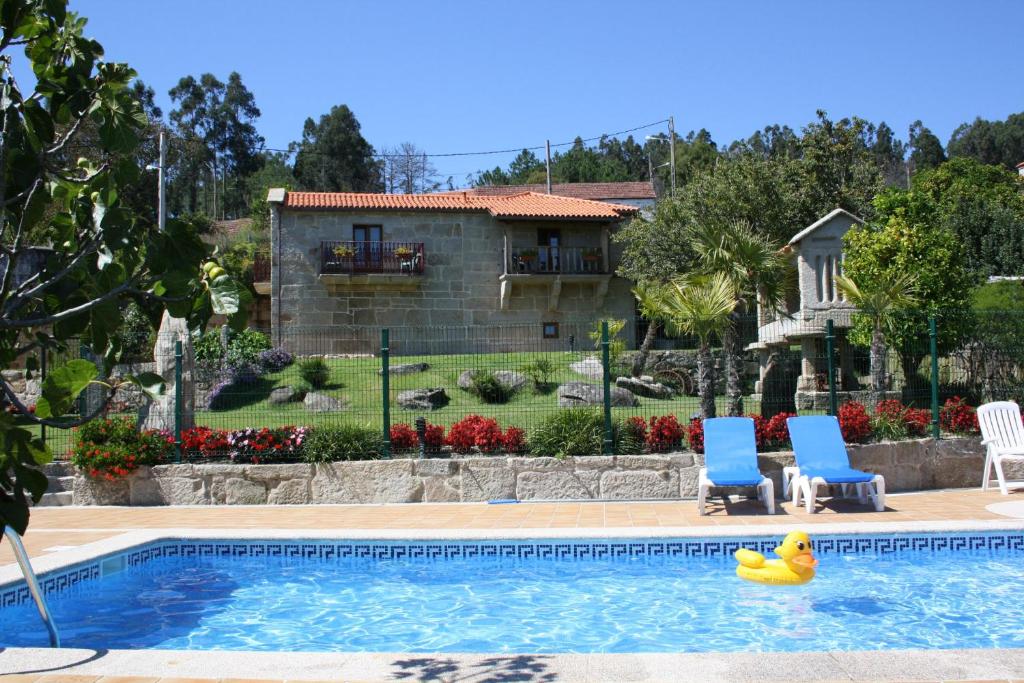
x=528 y=255
x=591 y=255
x=403 y=252
x=343 y=252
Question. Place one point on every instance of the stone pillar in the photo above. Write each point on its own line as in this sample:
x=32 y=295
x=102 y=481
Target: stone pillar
x=808 y=364
x=159 y=413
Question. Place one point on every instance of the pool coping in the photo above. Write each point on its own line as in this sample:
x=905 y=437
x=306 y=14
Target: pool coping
x=880 y=665
x=871 y=665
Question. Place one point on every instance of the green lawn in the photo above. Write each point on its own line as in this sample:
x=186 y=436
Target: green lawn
x=357 y=382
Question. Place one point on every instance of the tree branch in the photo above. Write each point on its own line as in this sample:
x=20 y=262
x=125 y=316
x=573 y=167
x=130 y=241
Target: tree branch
x=18 y=299
x=68 y=313
x=61 y=424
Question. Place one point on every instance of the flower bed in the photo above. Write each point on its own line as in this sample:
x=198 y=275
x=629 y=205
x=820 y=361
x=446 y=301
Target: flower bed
x=112 y=449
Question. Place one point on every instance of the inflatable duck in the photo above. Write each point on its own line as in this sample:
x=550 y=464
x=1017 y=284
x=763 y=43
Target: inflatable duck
x=795 y=568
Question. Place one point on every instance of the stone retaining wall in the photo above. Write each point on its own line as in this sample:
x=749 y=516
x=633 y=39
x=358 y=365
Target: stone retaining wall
x=906 y=465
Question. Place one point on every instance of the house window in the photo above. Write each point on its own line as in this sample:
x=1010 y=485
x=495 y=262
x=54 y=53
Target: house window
x=368 y=245
x=551 y=330
x=548 y=242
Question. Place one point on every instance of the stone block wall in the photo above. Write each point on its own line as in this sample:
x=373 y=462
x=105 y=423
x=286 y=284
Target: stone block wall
x=907 y=466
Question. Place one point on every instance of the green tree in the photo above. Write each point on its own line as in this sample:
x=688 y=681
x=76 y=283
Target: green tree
x=758 y=272
x=698 y=305
x=905 y=239
x=925 y=149
x=217 y=123
x=839 y=167
x=104 y=256
x=275 y=172
x=333 y=156
x=880 y=303
x=982 y=205
x=990 y=142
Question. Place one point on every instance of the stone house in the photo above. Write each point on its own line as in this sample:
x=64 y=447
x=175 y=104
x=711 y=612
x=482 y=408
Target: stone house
x=817 y=253
x=640 y=194
x=442 y=264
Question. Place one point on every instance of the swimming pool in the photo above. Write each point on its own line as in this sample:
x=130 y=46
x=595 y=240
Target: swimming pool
x=919 y=591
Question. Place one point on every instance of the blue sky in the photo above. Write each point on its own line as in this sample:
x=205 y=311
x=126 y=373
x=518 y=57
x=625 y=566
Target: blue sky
x=469 y=76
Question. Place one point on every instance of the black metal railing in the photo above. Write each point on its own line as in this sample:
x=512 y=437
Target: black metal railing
x=560 y=260
x=400 y=258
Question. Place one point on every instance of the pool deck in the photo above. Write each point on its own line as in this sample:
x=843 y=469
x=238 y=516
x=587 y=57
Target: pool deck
x=61 y=536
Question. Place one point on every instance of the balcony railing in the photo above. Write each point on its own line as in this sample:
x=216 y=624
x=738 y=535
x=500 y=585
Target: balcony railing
x=399 y=258
x=557 y=260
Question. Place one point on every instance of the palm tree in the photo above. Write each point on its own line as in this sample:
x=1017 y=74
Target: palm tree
x=880 y=302
x=757 y=270
x=698 y=305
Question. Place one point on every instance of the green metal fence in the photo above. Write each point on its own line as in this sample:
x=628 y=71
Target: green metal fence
x=521 y=374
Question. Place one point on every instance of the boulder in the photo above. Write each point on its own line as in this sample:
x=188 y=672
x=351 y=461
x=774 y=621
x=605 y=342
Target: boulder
x=281 y=395
x=644 y=387
x=513 y=381
x=575 y=394
x=406 y=369
x=423 y=399
x=588 y=367
x=322 y=403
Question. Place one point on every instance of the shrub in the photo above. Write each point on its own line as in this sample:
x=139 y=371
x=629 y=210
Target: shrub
x=204 y=441
x=636 y=427
x=434 y=437
x=245 y=347
x=957 y=417
x=760 y=431
x=666 y=434
x=220 y=396
x=264 y=445
x=627 y=438
x=854 y=422
x=514 y=440
x=574 y=431
x=300 y=388
x=487 y=388
x=403 y=437
x=540 y=372
x=484 y=433
x=695 y=435
x=207 y=347
x=888 y=423
x=345 y=442
x=113 y=448
x=275 y=360
x=314 y=371
x=918 y=421
x=777 y=431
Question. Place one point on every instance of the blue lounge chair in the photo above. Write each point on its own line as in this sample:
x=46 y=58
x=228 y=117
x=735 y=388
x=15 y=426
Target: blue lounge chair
x=822 y=460
x=730 y=458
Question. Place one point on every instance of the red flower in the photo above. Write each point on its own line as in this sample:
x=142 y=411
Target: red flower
x=958 y=417
x=695 y=435
x=854 y=422
x=666 y=434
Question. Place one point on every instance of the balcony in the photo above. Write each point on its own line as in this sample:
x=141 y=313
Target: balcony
x=553 y=267
x=371 y=265
x=557 y=261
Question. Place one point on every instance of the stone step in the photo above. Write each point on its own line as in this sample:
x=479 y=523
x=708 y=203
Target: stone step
x=58 y=499
x=58 y=484
x=58 y=469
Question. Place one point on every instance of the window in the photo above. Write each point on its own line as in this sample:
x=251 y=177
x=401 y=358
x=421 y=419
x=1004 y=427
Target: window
x=368 y=244
x=551 y=330
x=548 y=241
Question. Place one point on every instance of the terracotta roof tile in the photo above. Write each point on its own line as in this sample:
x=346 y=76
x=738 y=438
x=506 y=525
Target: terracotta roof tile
x=595 y=191
x=522 y=205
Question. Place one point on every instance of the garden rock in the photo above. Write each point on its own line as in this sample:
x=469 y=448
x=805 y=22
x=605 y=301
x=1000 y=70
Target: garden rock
x=588 y=367
x=322 y=403
x=575 y=394
x=281 y=395
x=644 y=387
x=406 y=369
x=423 y=399
x=513 y=381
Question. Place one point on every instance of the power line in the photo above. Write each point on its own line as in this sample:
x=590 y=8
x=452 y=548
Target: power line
x=486 y=153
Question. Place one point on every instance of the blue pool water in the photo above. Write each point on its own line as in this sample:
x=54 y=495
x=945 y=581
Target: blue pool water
x=631 y=603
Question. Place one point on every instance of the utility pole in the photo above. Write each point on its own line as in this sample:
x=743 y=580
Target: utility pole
x=650 y=168
x=672 y=150
x=161 y=193
x=547 y=162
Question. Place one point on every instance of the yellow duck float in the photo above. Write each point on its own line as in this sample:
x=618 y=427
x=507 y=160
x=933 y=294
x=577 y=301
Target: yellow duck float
x=795 y=568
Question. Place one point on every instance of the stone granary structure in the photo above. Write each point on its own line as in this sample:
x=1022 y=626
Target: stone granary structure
x=817 y=251
x=456 y=265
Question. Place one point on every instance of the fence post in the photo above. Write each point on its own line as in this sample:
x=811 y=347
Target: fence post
x=933 y=344
x=42 y=380
x=607 y=381
x=385 y=365
x=830 y=351
x=177 y=400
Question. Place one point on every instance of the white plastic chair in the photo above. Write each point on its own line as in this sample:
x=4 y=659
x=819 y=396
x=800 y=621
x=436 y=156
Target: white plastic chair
x=1002 y=435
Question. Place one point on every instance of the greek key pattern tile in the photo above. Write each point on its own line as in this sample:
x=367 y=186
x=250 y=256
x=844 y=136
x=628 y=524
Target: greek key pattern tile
x=567 y=550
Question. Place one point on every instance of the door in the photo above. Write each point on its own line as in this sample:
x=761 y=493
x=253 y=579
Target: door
x=548 y=242
x=368 y=247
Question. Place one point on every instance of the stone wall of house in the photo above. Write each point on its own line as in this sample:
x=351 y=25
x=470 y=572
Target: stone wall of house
x=907 y=466
x=459 y=288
